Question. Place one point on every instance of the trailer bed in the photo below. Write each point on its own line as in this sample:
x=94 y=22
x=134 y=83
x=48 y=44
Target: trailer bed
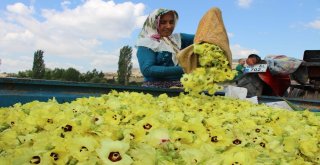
x=17 y=90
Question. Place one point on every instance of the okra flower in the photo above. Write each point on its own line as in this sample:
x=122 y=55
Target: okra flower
x=114 y=152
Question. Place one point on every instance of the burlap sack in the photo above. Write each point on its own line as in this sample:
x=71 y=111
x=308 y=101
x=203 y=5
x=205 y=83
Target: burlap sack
x=187 y=59
x=210 y=30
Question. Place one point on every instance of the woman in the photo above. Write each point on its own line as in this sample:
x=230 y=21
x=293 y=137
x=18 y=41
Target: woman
x=157 y=48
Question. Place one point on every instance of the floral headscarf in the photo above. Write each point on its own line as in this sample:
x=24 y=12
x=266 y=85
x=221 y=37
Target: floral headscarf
x=150 y=38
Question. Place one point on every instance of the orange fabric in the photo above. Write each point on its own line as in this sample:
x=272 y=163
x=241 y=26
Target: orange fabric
x=278 y=83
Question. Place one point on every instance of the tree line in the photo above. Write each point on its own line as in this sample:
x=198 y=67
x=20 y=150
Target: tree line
x=39 y=71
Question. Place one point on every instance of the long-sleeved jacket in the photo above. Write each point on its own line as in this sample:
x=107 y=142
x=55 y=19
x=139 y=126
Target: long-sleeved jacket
x=158 y=66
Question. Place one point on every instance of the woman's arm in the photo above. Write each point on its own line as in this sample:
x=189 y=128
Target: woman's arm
x=148 y=67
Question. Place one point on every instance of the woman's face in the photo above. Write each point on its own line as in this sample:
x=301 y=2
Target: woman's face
x=166 y=24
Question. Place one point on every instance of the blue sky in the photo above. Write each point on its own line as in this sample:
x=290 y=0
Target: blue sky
x=88 y=34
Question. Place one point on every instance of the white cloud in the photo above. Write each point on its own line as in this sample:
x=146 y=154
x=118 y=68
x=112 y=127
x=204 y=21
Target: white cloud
x=314 y=24
x=65 y=4
x=24 y=36
x=241 y=52
x=79 y=34
x=97 y=18
x=107 y=60
x=15 y=63
x=66 y=65
x=244 y=3
x=20 y=8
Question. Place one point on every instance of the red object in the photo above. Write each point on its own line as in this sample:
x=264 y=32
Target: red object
x=278 y=83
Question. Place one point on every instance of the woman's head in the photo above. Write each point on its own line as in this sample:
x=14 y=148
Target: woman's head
x=253 y=59
x=157 y=32
x=160 y=23
x=166 y=24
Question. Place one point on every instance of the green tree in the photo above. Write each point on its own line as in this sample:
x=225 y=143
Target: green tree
x=101 y=75
x=22 y=74
x=96 y=80
x=25 y=74
x=57 y=73
x=98 y=77
x=38 y=69
x=93 y=76
x=47 y=74
x=71 y=74
x=90 y=75
x=124 y=65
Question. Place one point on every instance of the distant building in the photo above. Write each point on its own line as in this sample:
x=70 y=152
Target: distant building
x=110 y=75
x=136 y=75
x=3 y=75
